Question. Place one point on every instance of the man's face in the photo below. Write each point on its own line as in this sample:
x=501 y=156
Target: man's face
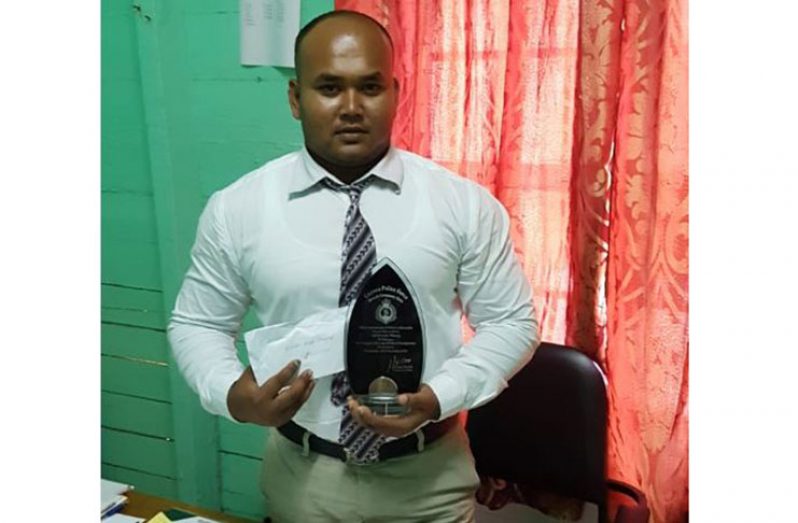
x=345 y=94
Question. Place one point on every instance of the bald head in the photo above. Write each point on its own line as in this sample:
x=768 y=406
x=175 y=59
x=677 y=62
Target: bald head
x=318 y=33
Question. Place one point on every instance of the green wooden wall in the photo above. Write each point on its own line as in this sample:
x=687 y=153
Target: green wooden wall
x=180 y=119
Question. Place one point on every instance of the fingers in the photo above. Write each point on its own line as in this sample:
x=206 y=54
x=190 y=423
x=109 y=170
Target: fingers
x=396 y=426
x=292 y=397
x=283 y=394
x=273 y=385
x=424 y=400
x=309 y=391
x=422 y=406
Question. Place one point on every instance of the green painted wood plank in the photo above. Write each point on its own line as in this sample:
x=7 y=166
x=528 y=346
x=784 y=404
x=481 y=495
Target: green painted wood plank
x=246 y=439
x=134 y=342
x=123 y=143
x=116 y=7
x=160 y=30
x=240 y=474
x=124 y=449
x=121 y=109
x=132 y=306
x=244 y=506
x=118 y=53
x=131 y=264
x=241 y=132
x=124 y=166
x=209 y=6
x=134 y=378
x=119 y=411
x=141 y=481
x=123 y=132
x=246 y=110
x=223 y=163
x=128 y=217
x=214 y=51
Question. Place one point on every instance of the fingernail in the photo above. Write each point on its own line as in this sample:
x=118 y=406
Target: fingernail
x=296 y=363
x=309 y=374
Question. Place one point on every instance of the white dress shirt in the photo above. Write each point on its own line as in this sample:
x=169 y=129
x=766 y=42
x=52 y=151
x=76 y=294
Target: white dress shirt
x=272 y=240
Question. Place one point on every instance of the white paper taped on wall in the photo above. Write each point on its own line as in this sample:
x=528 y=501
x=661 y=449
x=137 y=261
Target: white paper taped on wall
x=268 y=29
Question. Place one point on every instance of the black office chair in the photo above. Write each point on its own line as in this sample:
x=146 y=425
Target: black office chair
x=547 y=432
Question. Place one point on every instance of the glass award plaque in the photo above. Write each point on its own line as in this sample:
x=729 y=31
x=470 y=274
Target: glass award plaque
x=384 y=340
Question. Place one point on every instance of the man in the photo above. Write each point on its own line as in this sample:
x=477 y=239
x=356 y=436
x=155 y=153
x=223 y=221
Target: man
x=298 y=236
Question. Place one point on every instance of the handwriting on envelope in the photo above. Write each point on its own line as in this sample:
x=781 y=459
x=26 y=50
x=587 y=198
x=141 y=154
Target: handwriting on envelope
x=317 y=342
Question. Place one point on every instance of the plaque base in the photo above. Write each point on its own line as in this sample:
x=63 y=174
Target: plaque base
x=382 y=404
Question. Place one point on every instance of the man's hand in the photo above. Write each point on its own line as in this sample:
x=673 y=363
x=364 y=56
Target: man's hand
x=274 y=403
x=423 y=406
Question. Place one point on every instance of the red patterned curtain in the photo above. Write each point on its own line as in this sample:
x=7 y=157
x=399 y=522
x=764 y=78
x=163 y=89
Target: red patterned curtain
x=574 y=114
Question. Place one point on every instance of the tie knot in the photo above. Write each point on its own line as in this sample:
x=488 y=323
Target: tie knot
x=354 y=190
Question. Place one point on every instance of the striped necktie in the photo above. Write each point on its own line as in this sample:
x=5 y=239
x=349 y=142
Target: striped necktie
x=358 y=256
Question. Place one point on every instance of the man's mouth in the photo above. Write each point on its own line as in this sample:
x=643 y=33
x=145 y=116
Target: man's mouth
x=351 y=135
x=351 y=130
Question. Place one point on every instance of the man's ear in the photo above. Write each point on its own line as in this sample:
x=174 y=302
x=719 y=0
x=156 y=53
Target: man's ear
x=293 y=97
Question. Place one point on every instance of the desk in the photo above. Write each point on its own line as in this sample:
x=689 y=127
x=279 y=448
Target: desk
x=146 y=506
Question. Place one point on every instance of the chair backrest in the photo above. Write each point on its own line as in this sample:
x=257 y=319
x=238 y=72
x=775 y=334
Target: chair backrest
x=548 y=428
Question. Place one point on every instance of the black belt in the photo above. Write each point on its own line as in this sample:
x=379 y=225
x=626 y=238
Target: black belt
x=391 y=449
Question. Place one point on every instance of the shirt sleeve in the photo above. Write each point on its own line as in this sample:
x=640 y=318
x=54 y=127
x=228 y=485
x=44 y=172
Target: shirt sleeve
x=497 y=301
x=208 y=312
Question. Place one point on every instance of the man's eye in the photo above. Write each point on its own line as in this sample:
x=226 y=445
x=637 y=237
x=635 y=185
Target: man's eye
x=372 y=88
x=328 y=89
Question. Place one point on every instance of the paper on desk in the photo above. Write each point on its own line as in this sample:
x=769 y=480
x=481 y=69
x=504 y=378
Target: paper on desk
x=110 y=491
x=181 y=517
x=316 y=341
x=123 y=518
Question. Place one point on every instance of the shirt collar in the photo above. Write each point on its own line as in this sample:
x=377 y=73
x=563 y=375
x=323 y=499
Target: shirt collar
x=310 y=173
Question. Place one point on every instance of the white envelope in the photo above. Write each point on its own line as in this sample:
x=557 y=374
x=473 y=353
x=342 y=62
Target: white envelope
x=317 y=342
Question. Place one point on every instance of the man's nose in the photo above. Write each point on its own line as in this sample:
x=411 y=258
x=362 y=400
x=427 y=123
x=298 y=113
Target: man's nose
x=351 y=104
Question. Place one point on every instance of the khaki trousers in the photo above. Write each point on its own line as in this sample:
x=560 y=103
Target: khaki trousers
x=436 y=485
